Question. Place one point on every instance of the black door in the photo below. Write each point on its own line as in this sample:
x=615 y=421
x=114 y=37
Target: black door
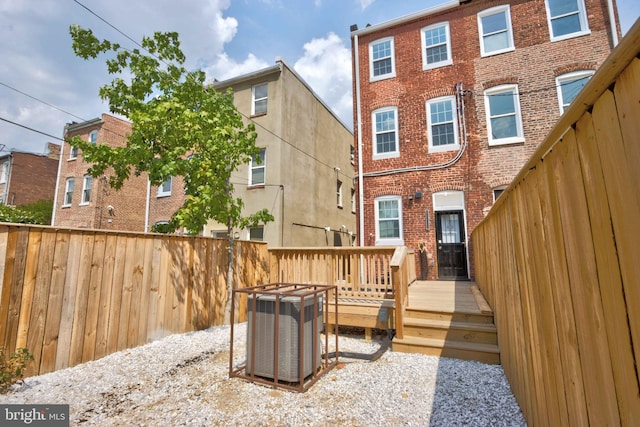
x=450 y=236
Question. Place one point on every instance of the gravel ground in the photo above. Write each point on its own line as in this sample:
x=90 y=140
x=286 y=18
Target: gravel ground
x=183 y=380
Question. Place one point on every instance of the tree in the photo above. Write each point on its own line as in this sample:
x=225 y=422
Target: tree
x=33 y=213
x=180 y=127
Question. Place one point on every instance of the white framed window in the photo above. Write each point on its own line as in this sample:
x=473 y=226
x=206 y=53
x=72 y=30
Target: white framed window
x=87 y=181
x=497 y=192
x=385 y=133
x=256 y=233
x=4 y=173
x=504 y=121
x=382 y=63
x=388 y=216
x=496 y=34
x=353 y=200
x=68 y=192
x=436 y=46
x=164 y=189
x=259 y=95
x=442 y=123
x=73 y=152
x=566 y=18
x=93 y=136
x=569 y=85
x=339 y=193
x=257 y=169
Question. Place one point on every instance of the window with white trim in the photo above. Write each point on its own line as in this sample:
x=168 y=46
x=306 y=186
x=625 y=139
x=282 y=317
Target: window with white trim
x=382 y=63
x=164 y=189
x=436 y=46
x=442 y=126
x=496 y=34
x=73 y=152
x=257 y=169
x=569 y=85
x=388 y=216
x=339 y=193
x=353 y=200
x=87 y=181
x=497 y=192
x=259 y=99
x=4 y=173
x=566 y=18
x=385 y=133
x=93 y=136
x=68 y=192
x=504 y=121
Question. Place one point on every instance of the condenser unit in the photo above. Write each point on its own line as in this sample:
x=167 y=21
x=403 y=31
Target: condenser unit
x=292 y=347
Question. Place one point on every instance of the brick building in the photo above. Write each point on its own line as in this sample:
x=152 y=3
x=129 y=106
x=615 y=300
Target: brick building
x=85 y=202
x=450 y=102
x=27 y=177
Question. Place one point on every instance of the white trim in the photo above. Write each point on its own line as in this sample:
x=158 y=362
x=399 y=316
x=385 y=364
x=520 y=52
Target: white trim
x=449 y=60
x=392 y=56
x=500 y=188
x=454 y=122
x=395 y=241
x=584 y=24
x=72 y=154
x=66 y=191
x=509 y=30
x=519 y=137
x=374 y=133
x=262 y=165
x=254 y=100
x=339 y=193
x=85 y=179
x=161 y=191
x=569 y=77
x=93 y=136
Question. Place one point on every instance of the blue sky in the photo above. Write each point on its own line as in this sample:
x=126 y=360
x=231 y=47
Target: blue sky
x=226 y=38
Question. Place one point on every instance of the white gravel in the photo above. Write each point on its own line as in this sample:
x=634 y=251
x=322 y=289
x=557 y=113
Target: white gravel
x=184 y=380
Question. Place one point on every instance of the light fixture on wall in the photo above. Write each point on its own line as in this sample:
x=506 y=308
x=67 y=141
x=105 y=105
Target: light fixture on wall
x=236 y=235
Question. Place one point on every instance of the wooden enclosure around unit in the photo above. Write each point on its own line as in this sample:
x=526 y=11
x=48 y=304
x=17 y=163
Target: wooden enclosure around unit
x=556 y=258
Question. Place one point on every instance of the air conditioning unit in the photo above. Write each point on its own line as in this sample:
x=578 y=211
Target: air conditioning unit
x=261 y=332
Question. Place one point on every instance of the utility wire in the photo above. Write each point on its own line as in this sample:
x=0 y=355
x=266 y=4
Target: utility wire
x=32 y=129
x=40 y=100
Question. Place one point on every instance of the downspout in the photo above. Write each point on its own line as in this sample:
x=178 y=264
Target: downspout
x=612 y=22
x=55 y=195
x=8 y=180
x=146 y=209
x=359 y=125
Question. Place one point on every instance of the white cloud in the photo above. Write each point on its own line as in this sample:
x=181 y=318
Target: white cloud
x=365 y=3
x=225 y=67
x=326 y=66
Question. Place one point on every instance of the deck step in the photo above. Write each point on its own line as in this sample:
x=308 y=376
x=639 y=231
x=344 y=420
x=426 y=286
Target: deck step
x=459 y=316
x=485 y=353
x=484 y=333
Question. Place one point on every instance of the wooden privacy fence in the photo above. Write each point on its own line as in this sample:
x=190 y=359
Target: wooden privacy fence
x=72 y=296
x=557 y=259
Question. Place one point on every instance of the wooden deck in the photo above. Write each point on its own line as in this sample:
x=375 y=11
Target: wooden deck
x=449 y=319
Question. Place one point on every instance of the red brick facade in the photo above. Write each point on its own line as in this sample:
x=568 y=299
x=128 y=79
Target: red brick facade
x=417 y=172
x=29 y=177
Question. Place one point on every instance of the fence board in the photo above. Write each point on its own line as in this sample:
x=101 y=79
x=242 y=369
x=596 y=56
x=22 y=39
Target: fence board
x=82 y=298
x=28 y=287
x=137 y=282
x=93 y=298
x=104 y=302
x=68 y=301
x=18 y=280
x=117 y=286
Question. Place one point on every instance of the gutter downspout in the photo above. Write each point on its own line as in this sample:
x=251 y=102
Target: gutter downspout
x=146 y=209
x=359 y=124
x=612 y=22
x=55 y=195
x=8 y=180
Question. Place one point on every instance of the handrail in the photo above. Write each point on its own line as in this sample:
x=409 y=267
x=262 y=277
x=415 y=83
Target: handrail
x=400 y=275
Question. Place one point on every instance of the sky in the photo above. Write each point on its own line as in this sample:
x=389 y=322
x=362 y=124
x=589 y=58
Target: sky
x=43 y=85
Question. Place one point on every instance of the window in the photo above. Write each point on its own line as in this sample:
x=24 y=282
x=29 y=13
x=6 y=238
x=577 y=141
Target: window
x=68 y=192
x=352 y=155
x=436 y=46
x=259 y=95
x=569 y=85
x=73 y=153
x=382 y=61
x=256 y=233
x=494 y=27
x=4 y=173
x=442 y=124
x=353 y=200
x=388 y=212
x=504 y=123
x=219 y=234
x=86 y=189
x=257 y=168
x=567 y=18
x=497 y=192
x=164 y=189
x=339 y=193
x=385 y=131
x=93 y=136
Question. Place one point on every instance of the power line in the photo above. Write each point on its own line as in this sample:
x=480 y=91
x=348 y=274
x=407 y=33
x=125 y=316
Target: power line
x=32 y=129
x=40 y=100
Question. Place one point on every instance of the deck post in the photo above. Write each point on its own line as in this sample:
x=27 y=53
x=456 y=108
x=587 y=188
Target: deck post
x=399 y=288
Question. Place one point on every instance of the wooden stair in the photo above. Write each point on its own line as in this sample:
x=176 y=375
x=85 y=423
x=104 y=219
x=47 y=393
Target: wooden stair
x=461 y=334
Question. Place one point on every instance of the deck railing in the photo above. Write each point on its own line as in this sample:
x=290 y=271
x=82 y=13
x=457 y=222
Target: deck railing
x=557 y=259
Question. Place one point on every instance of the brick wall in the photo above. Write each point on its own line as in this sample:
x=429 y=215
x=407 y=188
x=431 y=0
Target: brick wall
x=533 y=66
x=32 y=178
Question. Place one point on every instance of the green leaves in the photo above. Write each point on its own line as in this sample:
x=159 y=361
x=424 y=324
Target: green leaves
x=180 y=127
